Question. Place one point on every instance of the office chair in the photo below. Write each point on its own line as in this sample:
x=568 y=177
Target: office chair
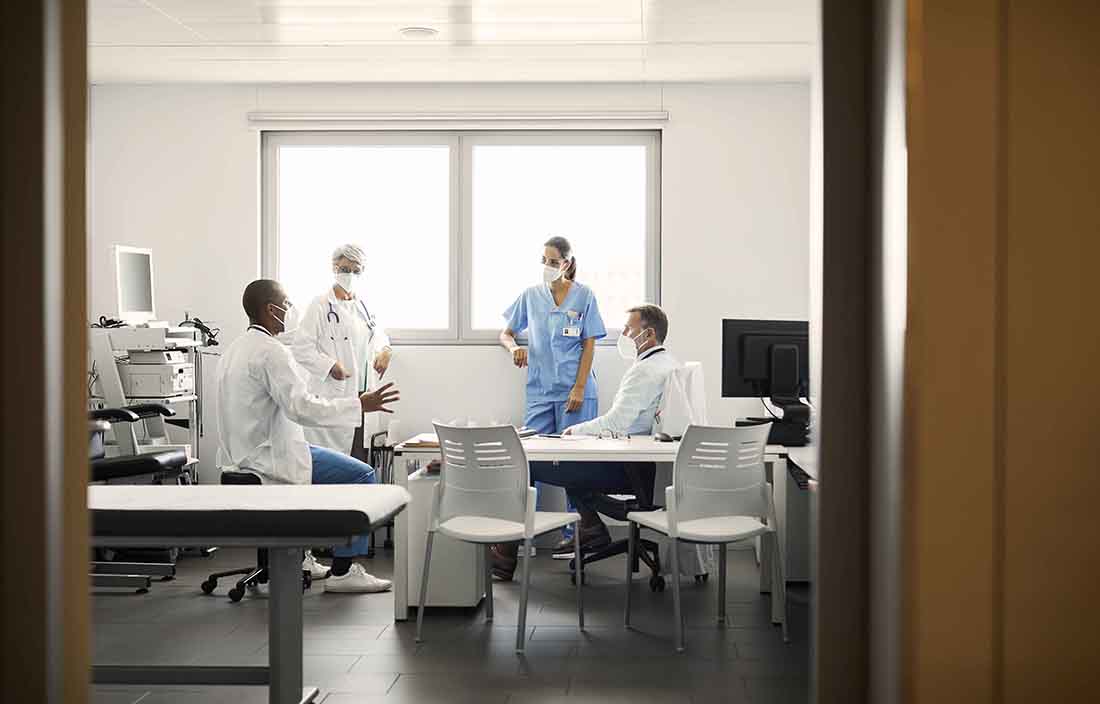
x=169 y=464
x=616 y=508
x=484 y=496
x=682 y=403
x=254 y=575
x=718 y=496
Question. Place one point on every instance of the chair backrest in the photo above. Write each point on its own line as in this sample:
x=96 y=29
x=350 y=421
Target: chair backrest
x=484 y=472
x=683 y=402
x=720 y=472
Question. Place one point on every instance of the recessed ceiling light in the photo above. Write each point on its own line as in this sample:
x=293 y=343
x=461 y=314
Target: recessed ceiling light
x=418 y=32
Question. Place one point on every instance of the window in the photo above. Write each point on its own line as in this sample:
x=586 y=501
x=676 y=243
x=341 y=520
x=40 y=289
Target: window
x=453 y=223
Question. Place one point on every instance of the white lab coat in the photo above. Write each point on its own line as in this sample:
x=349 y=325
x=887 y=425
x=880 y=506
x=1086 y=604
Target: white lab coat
x=263 y=402
x=635 y=406
x=321 y=341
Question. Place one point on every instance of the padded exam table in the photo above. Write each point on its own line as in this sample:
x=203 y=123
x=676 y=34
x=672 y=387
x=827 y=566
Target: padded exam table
x=286 y=519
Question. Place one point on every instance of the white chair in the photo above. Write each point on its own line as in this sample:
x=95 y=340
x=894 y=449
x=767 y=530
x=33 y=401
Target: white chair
x=485 y=496
x=718 y=492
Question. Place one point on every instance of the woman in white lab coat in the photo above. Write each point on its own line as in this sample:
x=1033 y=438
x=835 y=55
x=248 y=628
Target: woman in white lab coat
x=344 y=349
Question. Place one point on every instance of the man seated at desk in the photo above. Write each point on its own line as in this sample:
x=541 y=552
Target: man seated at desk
x=263 y=404
x=632 y=413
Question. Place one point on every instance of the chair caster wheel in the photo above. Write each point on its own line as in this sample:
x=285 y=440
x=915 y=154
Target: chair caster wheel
x=236 y=594
x=209 y=586
x=657 y=583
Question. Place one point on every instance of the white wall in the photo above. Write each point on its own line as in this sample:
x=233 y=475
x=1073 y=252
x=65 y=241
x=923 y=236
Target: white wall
x=176 y=168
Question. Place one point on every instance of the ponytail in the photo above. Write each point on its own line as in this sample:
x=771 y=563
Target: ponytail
x=571 y=272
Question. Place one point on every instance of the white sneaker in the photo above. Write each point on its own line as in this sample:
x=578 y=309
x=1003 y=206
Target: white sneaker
x=316 y=569
x=356 y=581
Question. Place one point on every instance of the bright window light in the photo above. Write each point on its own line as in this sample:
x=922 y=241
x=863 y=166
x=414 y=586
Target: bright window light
x=391 y=200
x=453 y=223
x=593 y=195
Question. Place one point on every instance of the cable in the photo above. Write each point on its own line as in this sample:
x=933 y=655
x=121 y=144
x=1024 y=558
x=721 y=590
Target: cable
x=209 y=334
x=768 y=409
x=93 y=377
x=105 y=322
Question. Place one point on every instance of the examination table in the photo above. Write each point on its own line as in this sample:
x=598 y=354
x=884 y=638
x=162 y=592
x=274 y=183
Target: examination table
x=285 y=519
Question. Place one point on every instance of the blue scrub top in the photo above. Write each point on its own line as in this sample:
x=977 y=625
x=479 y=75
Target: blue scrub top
x=552 y=356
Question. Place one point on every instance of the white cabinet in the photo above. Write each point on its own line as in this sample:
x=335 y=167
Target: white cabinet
x=458 y=569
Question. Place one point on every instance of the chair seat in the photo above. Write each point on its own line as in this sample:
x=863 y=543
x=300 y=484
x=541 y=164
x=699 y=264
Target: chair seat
x=479 y=529
x=720 y=529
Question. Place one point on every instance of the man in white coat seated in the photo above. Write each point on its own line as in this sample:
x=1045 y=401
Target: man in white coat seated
x=263 y=403
x=632 y=413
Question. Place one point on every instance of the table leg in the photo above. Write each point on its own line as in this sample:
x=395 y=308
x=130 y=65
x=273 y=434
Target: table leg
x=401 y=548
x=284 y=624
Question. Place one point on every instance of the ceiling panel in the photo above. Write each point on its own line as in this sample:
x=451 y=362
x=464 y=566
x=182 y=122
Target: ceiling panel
x=490 y=40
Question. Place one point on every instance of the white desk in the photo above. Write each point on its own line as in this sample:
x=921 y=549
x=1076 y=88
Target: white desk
x=639 y=449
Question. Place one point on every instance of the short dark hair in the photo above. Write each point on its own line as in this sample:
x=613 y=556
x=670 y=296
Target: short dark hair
x=258 y=294
x=653 y=317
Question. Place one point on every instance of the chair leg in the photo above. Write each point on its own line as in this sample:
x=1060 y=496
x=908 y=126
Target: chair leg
x=676 y=613
x=422 y=604
x=631 y=555
x=722 y=585
x=488 y=583
x=521 y=629
x=578 y=572
x=779 y=588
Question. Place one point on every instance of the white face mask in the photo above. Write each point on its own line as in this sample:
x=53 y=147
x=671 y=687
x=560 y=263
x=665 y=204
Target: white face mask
x=289 y=321
x=628 y=346
x=346 y=281
x=550 y=274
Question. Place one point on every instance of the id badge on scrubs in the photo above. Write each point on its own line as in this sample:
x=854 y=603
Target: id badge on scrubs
x=571 y=331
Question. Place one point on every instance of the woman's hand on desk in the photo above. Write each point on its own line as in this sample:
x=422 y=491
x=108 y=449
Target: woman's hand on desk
x=377 y=400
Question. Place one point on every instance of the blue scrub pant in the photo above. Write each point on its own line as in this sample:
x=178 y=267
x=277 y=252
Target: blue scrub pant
x=331 y=467
x=551 y=418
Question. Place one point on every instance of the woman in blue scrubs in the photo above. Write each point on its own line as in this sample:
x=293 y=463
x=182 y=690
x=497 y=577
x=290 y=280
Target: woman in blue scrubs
x=562 y=321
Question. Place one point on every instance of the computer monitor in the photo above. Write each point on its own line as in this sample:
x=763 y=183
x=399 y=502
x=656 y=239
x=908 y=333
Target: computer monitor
x=134 y=284
x=765 y=358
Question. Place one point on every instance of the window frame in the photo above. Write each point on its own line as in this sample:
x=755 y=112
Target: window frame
x=460 y=329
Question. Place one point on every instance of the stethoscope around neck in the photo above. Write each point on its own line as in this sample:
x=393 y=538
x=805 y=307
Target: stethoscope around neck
x=333 y=318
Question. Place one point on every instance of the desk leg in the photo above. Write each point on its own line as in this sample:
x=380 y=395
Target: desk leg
x=401 y=547
x=284 y=627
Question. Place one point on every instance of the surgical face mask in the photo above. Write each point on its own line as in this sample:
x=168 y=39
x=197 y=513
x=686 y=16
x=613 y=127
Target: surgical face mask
x=628 y=346
x=289 y=321
x=550 y=274
x=346 y=281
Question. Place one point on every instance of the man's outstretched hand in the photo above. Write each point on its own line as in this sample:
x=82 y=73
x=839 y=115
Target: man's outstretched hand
x=376 y=400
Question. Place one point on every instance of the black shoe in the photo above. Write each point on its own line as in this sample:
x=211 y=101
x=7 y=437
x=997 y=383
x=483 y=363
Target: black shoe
x=592 y=539
x=503 y=561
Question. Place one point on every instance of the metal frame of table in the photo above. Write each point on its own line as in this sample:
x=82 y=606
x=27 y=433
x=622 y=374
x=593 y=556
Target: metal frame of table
x=283 y=673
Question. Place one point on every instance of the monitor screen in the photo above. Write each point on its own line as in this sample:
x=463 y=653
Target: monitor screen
x=135 y=283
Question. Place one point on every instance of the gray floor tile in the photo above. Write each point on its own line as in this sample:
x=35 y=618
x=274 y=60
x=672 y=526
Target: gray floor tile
x=355 y=653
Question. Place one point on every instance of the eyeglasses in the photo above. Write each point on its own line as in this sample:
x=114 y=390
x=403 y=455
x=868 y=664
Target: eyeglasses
x=349 y=270
x=556 y=263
